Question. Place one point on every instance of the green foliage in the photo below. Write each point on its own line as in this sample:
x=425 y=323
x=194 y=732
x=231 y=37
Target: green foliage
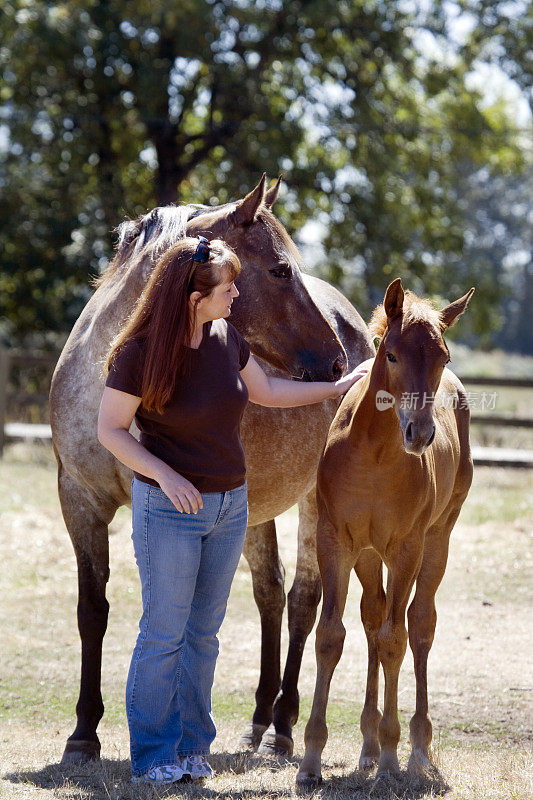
x=111 y=108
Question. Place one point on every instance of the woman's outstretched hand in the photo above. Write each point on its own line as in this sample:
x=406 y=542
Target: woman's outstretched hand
x=344 y=383
x=282 y=393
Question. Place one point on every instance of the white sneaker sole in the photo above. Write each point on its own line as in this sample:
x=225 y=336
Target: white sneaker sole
x=158 y=781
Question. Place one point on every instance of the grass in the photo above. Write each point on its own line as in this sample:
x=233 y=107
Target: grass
x=480 y=686
x=498 y=495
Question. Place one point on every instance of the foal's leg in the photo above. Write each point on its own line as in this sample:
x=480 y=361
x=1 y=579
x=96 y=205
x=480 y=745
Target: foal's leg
x=268 y=577
x=369 y=570
x=304 y=597
x=335 y=568
x=392 y=642
x=87 y=527
x=422 y=618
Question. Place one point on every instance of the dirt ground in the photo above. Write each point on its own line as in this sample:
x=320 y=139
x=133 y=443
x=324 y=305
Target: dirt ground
x=480 y=669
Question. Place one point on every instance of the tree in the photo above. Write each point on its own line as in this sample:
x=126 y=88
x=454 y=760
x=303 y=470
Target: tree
x=111 y=108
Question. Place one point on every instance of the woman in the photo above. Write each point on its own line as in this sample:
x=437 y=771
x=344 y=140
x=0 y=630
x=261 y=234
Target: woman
x=185 y=375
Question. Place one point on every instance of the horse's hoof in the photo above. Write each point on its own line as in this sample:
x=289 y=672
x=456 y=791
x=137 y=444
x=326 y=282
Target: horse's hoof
x=275 y=744
x=80 y=751
x=305 y=783
x=251 y=738
x=388 y=767
x=368 y=763
x=385 y=775
x=420 y=765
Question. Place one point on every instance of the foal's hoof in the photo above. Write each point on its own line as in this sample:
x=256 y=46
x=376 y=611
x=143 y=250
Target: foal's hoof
x=305 y=783
x=388 y=775
x=80 y=751
x=420 y=765
x=388 y=767
x=368 y=763
x=275 y=744
x=251 y=737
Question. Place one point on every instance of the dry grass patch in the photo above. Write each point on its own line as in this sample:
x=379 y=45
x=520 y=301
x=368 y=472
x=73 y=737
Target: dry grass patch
x=501 y=774
x=479 y=669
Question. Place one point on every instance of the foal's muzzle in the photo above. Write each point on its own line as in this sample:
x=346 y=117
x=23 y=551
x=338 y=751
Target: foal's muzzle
x=417 y=435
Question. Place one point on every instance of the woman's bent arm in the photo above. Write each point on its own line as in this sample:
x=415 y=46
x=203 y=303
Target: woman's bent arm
x=117 y=410
x=281 y=393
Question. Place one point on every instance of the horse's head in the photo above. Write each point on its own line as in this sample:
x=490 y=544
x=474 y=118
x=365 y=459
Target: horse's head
x=274 y=311
x=412 y=355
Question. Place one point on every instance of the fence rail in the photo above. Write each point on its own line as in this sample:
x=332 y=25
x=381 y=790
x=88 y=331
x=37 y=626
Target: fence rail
x=503 y=421
x=28 y=359
x=479 y=380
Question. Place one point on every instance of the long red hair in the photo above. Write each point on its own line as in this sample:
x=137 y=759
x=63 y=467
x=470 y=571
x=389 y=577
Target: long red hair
x=161 y=315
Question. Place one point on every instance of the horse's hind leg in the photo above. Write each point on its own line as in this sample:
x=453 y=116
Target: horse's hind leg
x=268 y=577
x=422 y=619
x=369 y=570
x=87 y=527
x=304 y=597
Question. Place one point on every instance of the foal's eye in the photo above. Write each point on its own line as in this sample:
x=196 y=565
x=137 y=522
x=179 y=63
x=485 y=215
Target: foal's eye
x=283 y=271
x=391 y=358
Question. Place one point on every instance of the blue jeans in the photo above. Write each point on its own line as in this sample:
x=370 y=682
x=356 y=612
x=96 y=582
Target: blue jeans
x=186 y=564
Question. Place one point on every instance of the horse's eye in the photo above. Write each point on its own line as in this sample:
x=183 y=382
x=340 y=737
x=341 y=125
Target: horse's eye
x=391 y=358
x=283 y=271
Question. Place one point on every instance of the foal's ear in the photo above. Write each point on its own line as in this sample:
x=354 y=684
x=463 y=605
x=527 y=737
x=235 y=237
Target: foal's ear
x=393 y=303
x=246 y=209
x=272 y=195
x=449 y=315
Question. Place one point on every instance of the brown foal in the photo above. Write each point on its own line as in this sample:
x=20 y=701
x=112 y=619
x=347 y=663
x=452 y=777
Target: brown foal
x=395 y=472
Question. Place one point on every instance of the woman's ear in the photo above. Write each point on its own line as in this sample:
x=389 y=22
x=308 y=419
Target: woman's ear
x=195 y=298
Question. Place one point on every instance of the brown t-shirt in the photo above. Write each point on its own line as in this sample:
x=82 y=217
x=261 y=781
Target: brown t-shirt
x=198 y=433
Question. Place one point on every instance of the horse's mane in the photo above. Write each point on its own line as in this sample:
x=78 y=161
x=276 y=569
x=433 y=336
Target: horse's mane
x=415 y=309
x=153 y=233
x=160 y=229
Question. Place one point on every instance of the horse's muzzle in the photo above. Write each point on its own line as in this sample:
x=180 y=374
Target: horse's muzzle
x=417 y=438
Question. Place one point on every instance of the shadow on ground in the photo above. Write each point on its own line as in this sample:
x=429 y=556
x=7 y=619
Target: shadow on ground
x=359 y=785
x=111 y=780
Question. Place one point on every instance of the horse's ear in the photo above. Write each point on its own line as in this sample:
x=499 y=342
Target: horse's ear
x=450 y=314
x=393 y=303
x=246 y=209
x=272 y=195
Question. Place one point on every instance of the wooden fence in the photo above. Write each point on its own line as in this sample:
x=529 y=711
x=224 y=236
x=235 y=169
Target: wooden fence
x=24 y=385
x=32 y=393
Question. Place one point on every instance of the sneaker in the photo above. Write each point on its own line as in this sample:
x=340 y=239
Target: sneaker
x=197 y=767
x=168 y=773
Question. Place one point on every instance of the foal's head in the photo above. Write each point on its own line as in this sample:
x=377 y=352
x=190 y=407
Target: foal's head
x=414 y=356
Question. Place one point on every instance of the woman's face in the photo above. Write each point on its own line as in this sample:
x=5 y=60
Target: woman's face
x=217 y=305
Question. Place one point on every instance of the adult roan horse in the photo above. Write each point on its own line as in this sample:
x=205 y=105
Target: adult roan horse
x=291 y=321
x=395 y=472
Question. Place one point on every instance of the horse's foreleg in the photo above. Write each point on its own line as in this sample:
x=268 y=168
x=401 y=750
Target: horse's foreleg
x=88 y=531
x=304 y=597
x=268 y=577
x=422 y=619
x=392 y=643
x=335 y=568
x=369 y=570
